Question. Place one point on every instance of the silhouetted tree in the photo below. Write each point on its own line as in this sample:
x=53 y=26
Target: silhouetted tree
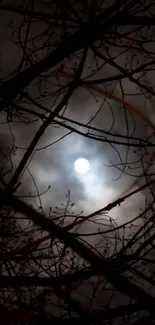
x=60 y=264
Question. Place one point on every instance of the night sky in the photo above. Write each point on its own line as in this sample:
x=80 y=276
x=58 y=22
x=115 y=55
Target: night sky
x=107 y=117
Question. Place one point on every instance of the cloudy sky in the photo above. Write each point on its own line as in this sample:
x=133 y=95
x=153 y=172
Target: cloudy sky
x=120 y=110
x=52 y=163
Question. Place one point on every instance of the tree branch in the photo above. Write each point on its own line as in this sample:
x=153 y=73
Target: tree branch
x=87 y=34
x=121 y=283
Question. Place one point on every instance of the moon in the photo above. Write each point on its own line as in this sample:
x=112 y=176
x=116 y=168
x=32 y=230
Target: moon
x=81 y=165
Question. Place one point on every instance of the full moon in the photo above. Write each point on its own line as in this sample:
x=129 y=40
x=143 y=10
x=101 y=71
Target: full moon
x=81 y=165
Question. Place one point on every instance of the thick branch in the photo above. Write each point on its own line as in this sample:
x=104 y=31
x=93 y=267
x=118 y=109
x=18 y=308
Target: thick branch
x=53 y=282
x=113 y=276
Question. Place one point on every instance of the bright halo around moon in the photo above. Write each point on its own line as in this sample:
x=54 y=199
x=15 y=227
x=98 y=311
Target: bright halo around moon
x=81 y=165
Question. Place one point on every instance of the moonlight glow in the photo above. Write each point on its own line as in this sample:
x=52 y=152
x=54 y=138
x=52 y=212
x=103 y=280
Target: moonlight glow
x=81 y=165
